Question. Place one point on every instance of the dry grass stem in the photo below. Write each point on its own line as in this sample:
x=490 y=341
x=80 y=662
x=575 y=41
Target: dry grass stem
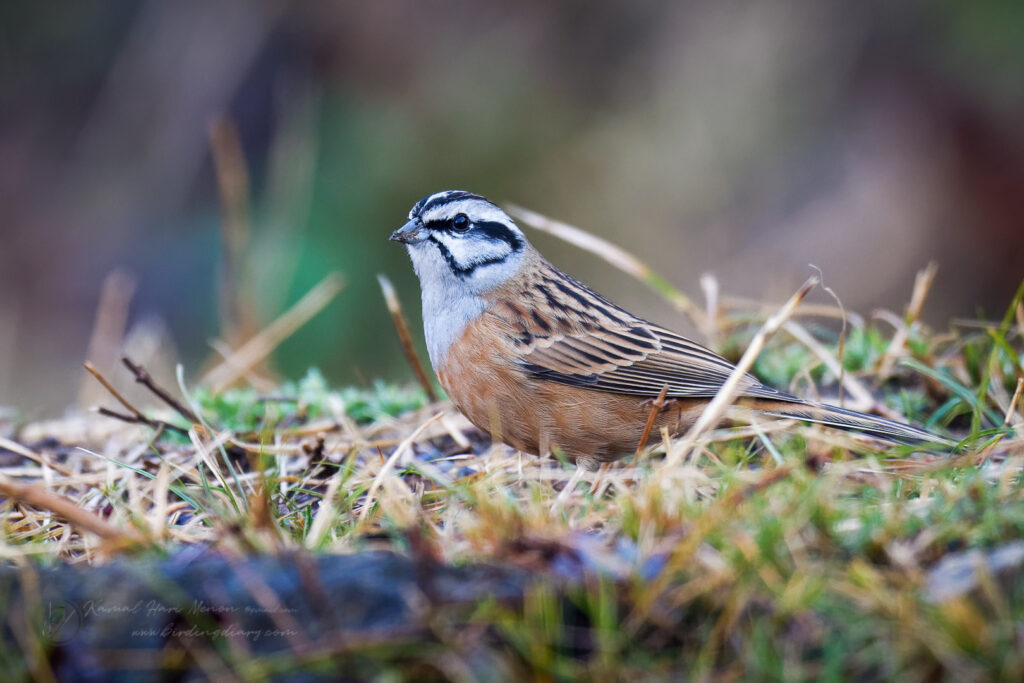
x=37 y=496
x=775 y=549
x=862 y=398
x=712 y=310
x=25 y=452
x=842 y=333
x=805 y=310
x=137 y=417
x=455 y=431
x=1011 y=410
x=405 y=337
x=599 y=486
x=250 y=376
x=922 y=285
x=389 y=464
x=730 y=388
x=260 y=346
x=108 y=328
x=204 y=452
x=159 y=425
x=615 y=255
x=237 y=322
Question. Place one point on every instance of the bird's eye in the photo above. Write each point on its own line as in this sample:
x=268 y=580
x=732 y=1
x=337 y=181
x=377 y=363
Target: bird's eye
x=461 y=222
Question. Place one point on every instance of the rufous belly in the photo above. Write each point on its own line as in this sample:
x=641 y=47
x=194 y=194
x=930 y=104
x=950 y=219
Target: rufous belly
x=541 y=416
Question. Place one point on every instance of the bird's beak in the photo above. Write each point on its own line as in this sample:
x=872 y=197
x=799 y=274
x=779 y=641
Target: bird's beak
x=410 y=233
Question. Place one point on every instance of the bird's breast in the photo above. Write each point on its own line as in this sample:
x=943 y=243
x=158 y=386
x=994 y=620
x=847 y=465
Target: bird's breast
x=446 y=319
x=482 y=376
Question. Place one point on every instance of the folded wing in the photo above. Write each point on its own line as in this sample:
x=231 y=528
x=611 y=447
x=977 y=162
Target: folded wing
x=638 y=361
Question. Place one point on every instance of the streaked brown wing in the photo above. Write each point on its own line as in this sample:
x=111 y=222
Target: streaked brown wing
x=638 y=361
x=566 y=332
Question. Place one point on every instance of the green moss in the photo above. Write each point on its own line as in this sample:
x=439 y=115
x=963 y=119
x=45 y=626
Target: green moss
x=246 y=409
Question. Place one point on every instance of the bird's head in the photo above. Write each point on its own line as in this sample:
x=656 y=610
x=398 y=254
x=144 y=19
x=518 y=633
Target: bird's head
x=460 y=241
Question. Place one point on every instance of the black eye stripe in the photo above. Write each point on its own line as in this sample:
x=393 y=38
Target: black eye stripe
x=494 y=230
x=498 y=231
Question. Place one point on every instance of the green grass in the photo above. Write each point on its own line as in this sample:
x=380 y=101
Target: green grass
x=245 y=409
x=801 y=553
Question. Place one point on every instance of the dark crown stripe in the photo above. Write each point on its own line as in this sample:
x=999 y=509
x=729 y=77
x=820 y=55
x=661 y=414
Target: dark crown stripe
x=436 y=200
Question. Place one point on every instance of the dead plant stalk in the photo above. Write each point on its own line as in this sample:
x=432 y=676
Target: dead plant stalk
x=405 y=337
x=730 y=388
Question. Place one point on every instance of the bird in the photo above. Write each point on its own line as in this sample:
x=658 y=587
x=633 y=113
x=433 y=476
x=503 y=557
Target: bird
x=547 y=365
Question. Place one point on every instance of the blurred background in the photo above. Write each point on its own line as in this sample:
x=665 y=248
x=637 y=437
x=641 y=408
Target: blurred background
x=743 y=139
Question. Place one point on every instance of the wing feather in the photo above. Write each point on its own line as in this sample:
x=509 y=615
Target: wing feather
x=573 y=335
x=582 y=358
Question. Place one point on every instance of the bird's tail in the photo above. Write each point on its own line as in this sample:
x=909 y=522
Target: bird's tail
x=851 y=420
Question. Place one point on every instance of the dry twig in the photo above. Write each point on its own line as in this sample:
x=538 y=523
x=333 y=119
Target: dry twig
x=656 y=407
x=158 y=425
x=137 y=416
x=144 y=378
